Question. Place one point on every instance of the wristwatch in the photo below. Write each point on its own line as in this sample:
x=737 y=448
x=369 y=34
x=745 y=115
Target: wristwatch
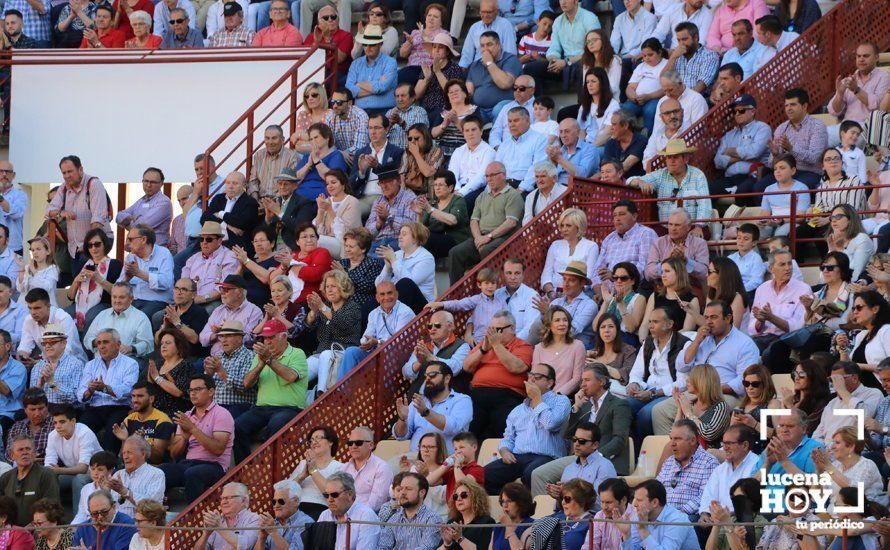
x=487 y=63
x=178 y=325
x=425 y=413
x=122 y=499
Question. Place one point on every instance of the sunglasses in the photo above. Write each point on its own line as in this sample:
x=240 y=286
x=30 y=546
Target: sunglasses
x=752 y=384
x=741 y=111
x=500 y=330
x=858 y=307
x=676 y=480
x=537 y=376
x=461 y=496
x=828 y=268
x=581 y=441
x=567 y=499
x=175 y=22
x=798 y=374
x=338 y=102
x=520 y=88
x=278 y=501
x=838 y=216
x=356 y=442
x=332 y=17
x=412 y=138
x=313 y=95
x=335 y=494
x=100 y=513
x=621 y=278
x=431 y=326
x=95 y=244
x=208 y=239
x=502 y=501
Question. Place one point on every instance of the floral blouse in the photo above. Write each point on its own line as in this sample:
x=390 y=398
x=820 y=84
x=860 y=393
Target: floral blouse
x=433 y=99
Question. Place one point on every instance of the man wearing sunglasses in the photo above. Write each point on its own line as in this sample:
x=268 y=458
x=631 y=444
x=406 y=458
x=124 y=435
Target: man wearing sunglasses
x=851 y=394
x=285 y=503
x=444 y=347
x=523 y=96
x=102 y=513
x=587 y=462
x=348 y=123
x=340 y=495
x=741 y=150
x=372 y=475
x=532 y=437
x=181 y=35
x=214 y=263
x=686 y=471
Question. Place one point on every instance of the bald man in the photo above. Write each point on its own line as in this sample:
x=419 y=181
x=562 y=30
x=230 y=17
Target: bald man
x=523 y=96
x=670 y=111
x=236 y=211
x=574 y=157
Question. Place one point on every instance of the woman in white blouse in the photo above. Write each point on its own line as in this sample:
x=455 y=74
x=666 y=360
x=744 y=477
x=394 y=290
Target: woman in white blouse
x=573 y=247
x=846 y=465
x=40 y=272
x=317 y=465
x=597 y=107
x=846 y=235
x=412 y=268
x=598 y=52
x=337 y=213
x=872 y=344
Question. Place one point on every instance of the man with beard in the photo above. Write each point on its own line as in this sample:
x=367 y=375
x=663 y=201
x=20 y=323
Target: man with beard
x=147 y=421
x=413 y=490
x=440 y=409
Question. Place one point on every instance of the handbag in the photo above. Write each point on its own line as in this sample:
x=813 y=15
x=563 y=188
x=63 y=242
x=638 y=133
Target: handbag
x=798 y=338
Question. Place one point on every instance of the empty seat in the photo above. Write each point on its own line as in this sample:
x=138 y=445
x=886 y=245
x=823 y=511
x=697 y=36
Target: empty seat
x=810 y=274
x=488 y=451
x=653 y=445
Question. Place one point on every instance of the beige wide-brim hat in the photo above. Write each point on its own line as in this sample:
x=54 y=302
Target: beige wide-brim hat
x=443 y=39
x=54 y=332
x=231 y=327
x=676 y=147
x=576 y=269
x=373 y=34
x=211 y=228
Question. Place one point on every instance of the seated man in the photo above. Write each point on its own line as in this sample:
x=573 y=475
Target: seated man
x=184 y=315
x=801 y=136
x=546 y=190
x=151 y=424
x=285 y=507
x=860 y=93
x=153 y=210
x=746 y=50
x=575 y=157
x=625 y=145
x=629 y=30
x=439 y=410
x=229 y=369
x=390 y=211
x=378 y=154
x=204 y=436
x=773 y=36
x=694 y=104
x=12 y=314
x=687 y=469
x=468 y=161
x=372 y=77
x=209 y=268
x=344 y=502
x=729 y=80
x=404 y=115
x=130 y=323
x=587 y=462
x=234 y=513
x=138 y=480
x=738 y=442
x=28 y=481
x=670 y=113
x=105 y=386
x=103 y=511
x=372 y=474
x=68 y=450
x=37 y=422
x=490 y=21
x=234 y=34
x=348 y=123
x=695 y=11
x=235 y=307
x=573 y=298
x=523 y=96
x=521 y=150
x=518 y=296
x=13 y=380
x=788 y=451
x=148 y=269
x=532 y=435
x=181 y=35
x=268 y=162
x=281 y=375
x=288 y=210
x=846 y=378
x=236 y=211
x=741 y=150
x=490 y=78
x=681 y=242
x=41 y=315
x=499 y=365
x=696 y=64
x=445 y=348
x=651 y=504
x=411 y=495
x=630 y=242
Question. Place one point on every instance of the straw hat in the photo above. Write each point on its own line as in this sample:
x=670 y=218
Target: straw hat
x=576 y=269
x=676 y=147
x=372 y=34
x=211 y=228
x=54 y=332
x=231 y=327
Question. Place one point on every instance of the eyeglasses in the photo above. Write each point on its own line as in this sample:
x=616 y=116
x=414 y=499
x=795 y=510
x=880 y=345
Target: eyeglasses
x=621 y=278
x=208 y=239
x=317 y=439
x=520 y=88
x=279 y=9
x=95 y=244
x=376 y=13
x=461 y=495
x=278 y=501
x=356 y=442
x=196 y=390
x=182 y=288
x=831 y=159
x=581 y=440
x=431 y=326
x=332 y=17
x=537 y=376
x=567 y=499
x=671 y=113
x=838 y=216
x=493 y=174
x=100 y=513
x=801 y=374
x=500 y=330
x=335 y=494
x=752 y=383
x=502 y=501
x=337 y=102
x=176 y=22
x=432 y=374
x=829 y=268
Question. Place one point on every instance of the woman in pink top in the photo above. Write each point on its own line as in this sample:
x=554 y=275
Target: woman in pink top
x=415 y=47
x=560 y=350
x=280 y=33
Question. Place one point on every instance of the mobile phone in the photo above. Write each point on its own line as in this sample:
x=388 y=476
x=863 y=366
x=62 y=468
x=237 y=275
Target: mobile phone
x=90 y=267
x=739 y=411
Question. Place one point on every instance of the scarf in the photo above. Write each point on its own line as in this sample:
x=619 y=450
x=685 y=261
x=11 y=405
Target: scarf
x=90 y=293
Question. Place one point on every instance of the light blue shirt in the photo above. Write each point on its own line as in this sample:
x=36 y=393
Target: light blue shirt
x=12 y=319
x=18 y=203
x=585 y=157
x=471 y=52
x=499 y=128
x=750 y=145
x=730 y=357
x=628 y=33
x=120 y=375
x=525 y=11
x=159 y=267
x=382 y=326
x=568 y=37
x=749 y=61
x=8 y=266
x=537 y=430
x=382 y=76
x=752 y=267
x=582 y=310
x=457 y=408
x=780 y=205
x=800 y=457
x=192 y=226
x=520 y=156
x=666 y=537
x=482 y=307
x=595 y=469
x=419 y=267
x=14 y=375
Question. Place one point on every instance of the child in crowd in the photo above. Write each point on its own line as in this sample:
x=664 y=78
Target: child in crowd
x=484 y=305
x=784 y=169
x=784 y=243
x=534 y=45
x=464 y=459
x=102 y=465
x=543 y=124
x=747 y=257
x=854 y=157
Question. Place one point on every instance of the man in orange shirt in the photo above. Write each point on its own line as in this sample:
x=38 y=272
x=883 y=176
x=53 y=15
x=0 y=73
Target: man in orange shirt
x=280 y=33
x=104 y=36
x=499 y=365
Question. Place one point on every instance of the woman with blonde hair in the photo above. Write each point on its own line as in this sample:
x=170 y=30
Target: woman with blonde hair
x=468 y=506
x=559 y=349
x=40 y=272
x=706 y=409
x=573 y=247
x=337 y=321
x=315 y=106
x=149 y=516
x=846 y=465
x=291 y=314
x=674 y=294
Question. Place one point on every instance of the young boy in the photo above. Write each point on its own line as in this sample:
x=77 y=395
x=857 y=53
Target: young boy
x=751 y=265
x=102 y=465
x=459 y=465
x=534 y=45
x=543 y=110
x=484 y=305
x=785 y=243
x=854 y=157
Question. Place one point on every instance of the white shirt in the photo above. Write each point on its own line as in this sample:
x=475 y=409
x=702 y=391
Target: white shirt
x=420 y=267
x=132 y=325
x=558 y=258
x=721 y=481
x=145 y=481
x=878 y=348
x=83 y=512
x=468 y=167
x=534 y=207
x=70 y=452
x=32 y=333
x=769 y=52
x=311 y=493
x=8 y=266
x=659 y=372
x=520 y=305
x=372 y=184
x=694 y=107
x=592 y=124
x=658 y=142
x=361 y=537
x=862 y=397
x=647 y=77
x=675 y=15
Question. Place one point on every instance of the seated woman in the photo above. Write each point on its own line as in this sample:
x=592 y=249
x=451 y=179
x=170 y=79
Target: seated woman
x=846 y=465
x=598 y=53
x=674 y=294
x=40 y=272
x=745 y=490
x=624 y=302
x=412 y=268
x=361 y=268
x=458 y=106
x=784 y=168
x=140 y=22
x=150 y=517
x=706 y=407
x=760 y=393
x=831 y=304
x=431 y=454
x=317 y=464
x=845 y=235
x=256 y=270
x=559 y=349
x=90 y=293
x=323 y=156
x=872 y=536
x=378 y=14
x=430 y=88
x=291 y=314
x=517 y=507
x=573 y=247
x=725 y=284
x=810 y=393
x=172 y=378
x=468 y=507
x=338 y=212
x=644 y=87
x=610 y=350
x=596 y=109
x=872 y=344
x=336 y=320
x=304 y=267
x=421 y=160
x=578 y=499
x=415 y=48
x=312 y=111
x=446 y=217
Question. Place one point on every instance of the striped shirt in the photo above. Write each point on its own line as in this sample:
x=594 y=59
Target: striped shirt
x=631 y=247
x=232 y=390
x=265 y=167
x=827 y=201
x=694 y=184
x=146 y=481
x=89 y=204
x=62 y=388
x=41 y=436
x=685 y=484
x=808 y=141
x=702 y=67
x=413 y=538
x=120 y=376
x=537 y=430
x=398 y=134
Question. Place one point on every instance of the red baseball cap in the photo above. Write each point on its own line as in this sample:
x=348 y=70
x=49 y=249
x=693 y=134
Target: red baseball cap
x=273 y=327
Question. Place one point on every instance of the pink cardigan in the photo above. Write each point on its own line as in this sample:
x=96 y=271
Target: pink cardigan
x=568 y=366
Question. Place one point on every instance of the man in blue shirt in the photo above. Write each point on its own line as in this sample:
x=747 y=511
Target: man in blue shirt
x=373 y=76
x=575 y=157
x=521 y=151
x=12 y=315
x=490 y=79
x=567 y=44
x=490 y=22
x=13 y=203
x=149 y=270
x=13 y=376
x=650 y=501
x=181 y=35
x=102 y=513
x=746 y=51
x=741 y=149
x=788 y=452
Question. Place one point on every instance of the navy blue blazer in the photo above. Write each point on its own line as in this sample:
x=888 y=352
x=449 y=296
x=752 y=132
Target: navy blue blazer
x=392 y=155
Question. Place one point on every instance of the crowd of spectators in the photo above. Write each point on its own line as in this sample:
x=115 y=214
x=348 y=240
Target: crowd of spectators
x=220 y=326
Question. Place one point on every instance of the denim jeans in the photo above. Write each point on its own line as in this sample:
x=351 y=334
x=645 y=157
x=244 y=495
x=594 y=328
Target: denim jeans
x=642 y=411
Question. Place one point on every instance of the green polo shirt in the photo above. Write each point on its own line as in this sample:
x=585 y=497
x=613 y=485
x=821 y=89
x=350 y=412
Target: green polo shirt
x=274 y=391
x=491 y=210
